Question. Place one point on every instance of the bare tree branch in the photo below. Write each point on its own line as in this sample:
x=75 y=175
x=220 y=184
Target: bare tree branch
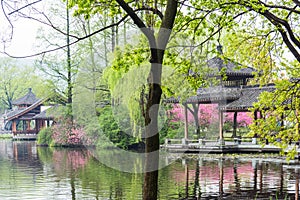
x=72 y=43
x=30 y=4
x=77 y=39
x=7 y=18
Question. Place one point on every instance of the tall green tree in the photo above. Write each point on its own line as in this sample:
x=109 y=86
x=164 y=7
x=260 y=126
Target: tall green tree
x=157 y=44
x=61 y=66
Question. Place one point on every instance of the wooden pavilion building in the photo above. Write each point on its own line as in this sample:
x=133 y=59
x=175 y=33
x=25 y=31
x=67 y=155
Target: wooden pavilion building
x=27 y=118
x=232 y=94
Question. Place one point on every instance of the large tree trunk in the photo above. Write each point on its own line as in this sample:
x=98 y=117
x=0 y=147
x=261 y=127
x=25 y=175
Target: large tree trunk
x=150 y=186
x=157 y=46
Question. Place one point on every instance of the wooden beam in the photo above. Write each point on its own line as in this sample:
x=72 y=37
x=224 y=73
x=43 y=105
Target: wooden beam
x=14 y=126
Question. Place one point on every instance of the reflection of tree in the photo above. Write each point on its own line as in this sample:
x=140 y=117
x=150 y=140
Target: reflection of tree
x=109 y=183
x=72 y=183
x=297 y=185
x=197 y=191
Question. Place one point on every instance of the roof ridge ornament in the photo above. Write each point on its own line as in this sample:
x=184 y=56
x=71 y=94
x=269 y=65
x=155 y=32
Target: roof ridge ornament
x=220 y=49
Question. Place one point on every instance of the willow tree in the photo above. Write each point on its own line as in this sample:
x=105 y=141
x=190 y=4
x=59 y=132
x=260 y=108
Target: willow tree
x=157 y=44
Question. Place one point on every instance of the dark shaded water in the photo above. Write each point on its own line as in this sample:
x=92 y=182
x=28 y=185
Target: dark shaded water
x=30 y=172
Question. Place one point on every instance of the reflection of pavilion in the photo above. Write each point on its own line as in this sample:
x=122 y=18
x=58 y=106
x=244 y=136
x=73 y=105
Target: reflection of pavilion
x=232 y=94
x=22 y=153
x=236 y=179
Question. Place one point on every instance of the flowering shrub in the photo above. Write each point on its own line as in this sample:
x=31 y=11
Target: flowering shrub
x=64 y=133
x=68 y=134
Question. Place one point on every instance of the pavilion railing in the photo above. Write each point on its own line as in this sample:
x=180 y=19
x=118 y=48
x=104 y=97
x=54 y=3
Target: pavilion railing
x=5 y=132
x=209 y=142
x=25 y=132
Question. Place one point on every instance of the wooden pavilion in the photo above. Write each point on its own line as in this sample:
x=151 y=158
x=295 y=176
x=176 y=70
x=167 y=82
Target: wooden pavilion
x=232 y=93
x=27 y=117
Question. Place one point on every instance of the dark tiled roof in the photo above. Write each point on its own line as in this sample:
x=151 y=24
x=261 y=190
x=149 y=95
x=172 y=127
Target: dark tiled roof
x=43 y=115
x=215 y=94
x=216 y=64
x=20 y=112
x=295 y=80
x=249 y=95
x=28 y=99
x=210 y=95
x=13 y=113
x=236 y=99
x=49 y=113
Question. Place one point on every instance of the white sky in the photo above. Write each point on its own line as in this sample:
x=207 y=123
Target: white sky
x=23 y=39
x=24 y=36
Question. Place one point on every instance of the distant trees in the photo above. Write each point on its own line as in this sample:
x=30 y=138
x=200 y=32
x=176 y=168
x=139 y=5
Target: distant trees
x=15 y=79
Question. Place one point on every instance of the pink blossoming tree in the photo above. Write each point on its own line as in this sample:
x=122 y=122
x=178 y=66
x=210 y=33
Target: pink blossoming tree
x=208 y=116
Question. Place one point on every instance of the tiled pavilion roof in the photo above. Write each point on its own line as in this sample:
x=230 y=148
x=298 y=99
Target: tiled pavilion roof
x=231 y=68
x=236 y=99
x=28 y=99
x=211 y=95
x=249 y=95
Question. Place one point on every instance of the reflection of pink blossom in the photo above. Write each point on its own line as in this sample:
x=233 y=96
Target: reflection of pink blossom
x=70 y=159
x=207 y=115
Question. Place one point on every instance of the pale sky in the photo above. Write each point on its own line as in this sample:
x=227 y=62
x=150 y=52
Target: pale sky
x=23 y=39
x=24 y=36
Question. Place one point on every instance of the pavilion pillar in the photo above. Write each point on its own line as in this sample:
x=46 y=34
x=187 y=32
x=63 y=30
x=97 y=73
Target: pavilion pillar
x=37 y=125
x=14 y=127
x=221 y=136
x=254 y=139
x=24 y=127
x=234 y=124
x=28 y=125
x=186 y=128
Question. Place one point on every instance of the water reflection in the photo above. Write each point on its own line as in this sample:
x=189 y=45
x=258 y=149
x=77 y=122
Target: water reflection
x=30 y=172
x=232 y=178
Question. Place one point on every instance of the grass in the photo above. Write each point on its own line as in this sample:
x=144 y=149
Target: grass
x=5 y=136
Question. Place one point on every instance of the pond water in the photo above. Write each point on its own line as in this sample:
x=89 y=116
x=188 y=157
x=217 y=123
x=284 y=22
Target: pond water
x=31 y=172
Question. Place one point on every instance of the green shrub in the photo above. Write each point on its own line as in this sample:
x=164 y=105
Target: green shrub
x=45 y=137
